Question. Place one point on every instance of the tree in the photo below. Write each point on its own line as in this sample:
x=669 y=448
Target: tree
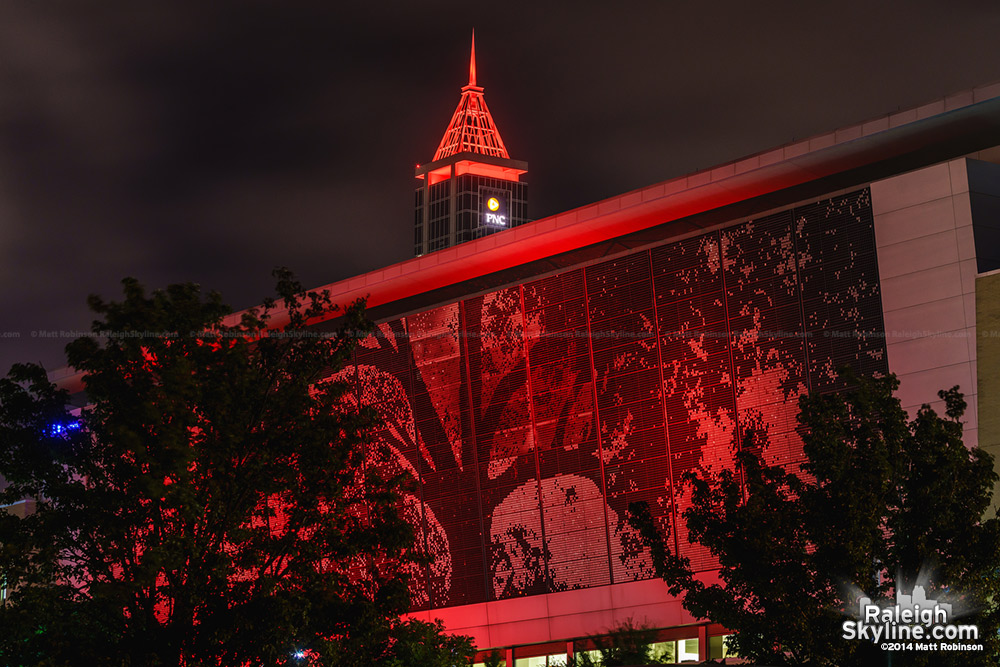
x=881 y=503
x=626 y=644
x=425 y=644
x=211 y=504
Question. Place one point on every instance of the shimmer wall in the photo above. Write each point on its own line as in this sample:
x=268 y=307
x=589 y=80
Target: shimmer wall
x=534 y=415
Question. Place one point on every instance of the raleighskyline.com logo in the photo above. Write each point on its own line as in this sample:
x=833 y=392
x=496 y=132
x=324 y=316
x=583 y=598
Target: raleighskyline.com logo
x=914 y=623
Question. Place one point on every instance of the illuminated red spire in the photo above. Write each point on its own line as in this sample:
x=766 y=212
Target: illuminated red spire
x=472 y=60
x=472 y=129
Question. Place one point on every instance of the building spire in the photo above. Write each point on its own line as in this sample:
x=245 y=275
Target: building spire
x=472 y=129
x=472 y=60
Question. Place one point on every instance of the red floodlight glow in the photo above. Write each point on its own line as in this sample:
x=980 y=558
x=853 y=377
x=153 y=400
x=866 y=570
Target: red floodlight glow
x=476 y=168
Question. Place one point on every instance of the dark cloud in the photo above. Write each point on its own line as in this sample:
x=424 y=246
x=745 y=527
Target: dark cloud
x=212 y=141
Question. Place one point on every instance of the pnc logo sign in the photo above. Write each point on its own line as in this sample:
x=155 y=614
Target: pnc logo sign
x=495 y=209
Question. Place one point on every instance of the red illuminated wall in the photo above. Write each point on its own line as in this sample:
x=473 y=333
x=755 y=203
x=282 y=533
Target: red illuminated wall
x=533 y=415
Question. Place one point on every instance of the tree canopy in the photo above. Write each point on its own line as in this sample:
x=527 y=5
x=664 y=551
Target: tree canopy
x=210 y=503
x=880 y=503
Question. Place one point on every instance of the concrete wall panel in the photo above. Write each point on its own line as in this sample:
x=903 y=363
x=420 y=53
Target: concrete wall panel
x=928 y=267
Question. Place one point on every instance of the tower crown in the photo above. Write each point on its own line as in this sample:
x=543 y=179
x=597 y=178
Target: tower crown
x=471 y=129
x=472 y=188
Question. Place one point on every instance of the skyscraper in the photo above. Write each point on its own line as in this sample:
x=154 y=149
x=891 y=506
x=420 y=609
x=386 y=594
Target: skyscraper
x=472 y=188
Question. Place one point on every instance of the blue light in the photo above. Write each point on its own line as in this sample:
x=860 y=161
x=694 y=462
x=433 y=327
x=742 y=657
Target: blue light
x=299 y=655
x=63 y=429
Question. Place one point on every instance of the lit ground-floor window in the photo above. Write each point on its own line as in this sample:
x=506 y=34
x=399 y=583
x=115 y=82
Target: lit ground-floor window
x=680 y=650
x=552 y=660
x=717 y=648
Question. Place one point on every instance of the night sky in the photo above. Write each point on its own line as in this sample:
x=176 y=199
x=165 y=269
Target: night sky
x=204 y=141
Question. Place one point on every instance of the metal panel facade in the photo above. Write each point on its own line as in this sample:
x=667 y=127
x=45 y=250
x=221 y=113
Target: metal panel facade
x=533 y=415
